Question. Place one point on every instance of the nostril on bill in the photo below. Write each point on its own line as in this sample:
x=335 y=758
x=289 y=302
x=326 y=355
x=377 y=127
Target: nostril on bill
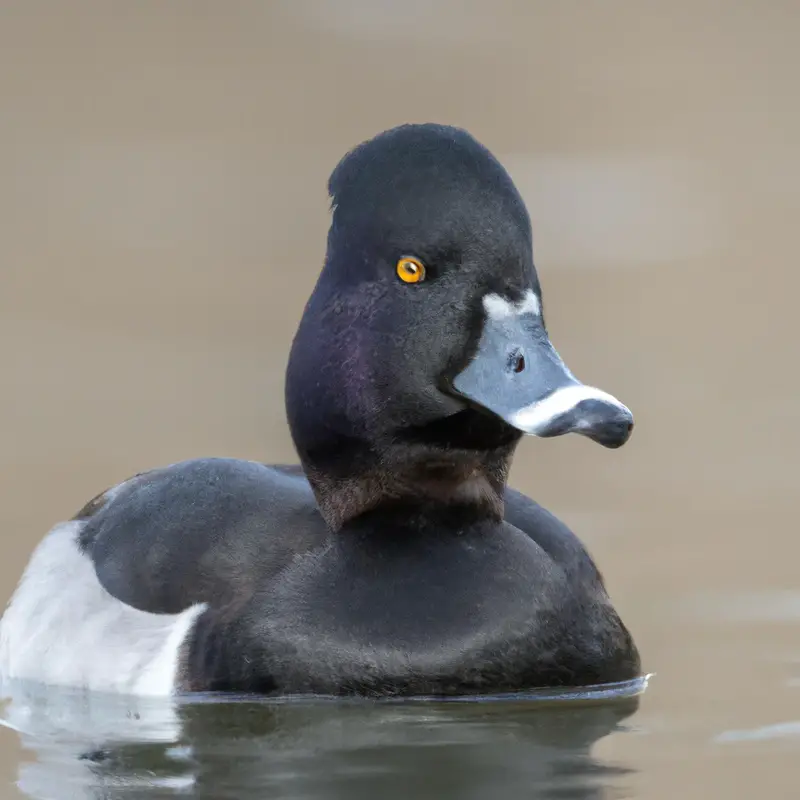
x=517 y=361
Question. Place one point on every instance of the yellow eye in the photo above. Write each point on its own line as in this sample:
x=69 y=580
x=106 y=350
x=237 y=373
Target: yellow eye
x=410 y=270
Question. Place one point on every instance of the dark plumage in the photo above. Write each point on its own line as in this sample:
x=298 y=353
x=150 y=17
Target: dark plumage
x=394 y=560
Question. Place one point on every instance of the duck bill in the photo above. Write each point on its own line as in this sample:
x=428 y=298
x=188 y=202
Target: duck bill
x=517 y=375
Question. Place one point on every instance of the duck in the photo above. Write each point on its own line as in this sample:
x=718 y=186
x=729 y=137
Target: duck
x=394 y=560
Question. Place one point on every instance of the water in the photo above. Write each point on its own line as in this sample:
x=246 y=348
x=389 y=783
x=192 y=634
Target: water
x=162 y=220
x=92 y=745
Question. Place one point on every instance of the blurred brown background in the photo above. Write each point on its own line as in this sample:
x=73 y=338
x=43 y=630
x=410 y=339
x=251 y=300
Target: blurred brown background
x=162 y=220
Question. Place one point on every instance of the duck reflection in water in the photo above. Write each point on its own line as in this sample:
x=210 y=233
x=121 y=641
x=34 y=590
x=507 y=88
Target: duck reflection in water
x=90 y=746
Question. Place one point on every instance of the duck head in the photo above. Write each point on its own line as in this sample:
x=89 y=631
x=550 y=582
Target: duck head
x=422 y=356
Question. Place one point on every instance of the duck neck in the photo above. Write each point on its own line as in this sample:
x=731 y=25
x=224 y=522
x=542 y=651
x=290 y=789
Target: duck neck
x=442 y=472
x=370 y=437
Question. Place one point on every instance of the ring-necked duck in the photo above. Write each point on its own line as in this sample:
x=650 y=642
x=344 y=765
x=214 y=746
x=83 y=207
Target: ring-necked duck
x=395 y=560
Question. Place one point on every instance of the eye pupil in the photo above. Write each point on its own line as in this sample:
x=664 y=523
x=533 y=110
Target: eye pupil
x=410 y=270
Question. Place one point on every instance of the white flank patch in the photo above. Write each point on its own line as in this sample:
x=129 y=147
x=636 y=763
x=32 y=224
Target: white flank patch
x=63 y=628
x=537 y=416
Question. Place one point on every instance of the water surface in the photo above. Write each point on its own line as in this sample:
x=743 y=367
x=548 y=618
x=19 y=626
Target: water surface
x=90 y=745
